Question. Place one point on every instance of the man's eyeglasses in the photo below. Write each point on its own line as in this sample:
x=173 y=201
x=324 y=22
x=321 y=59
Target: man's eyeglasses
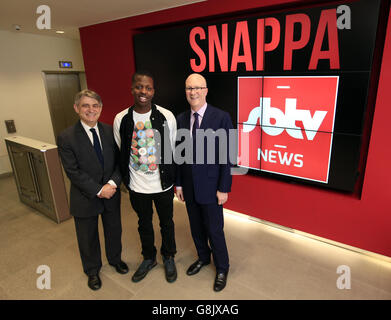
x=190 y=89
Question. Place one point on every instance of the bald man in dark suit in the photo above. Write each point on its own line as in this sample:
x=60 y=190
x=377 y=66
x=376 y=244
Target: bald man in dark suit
x=205 y=186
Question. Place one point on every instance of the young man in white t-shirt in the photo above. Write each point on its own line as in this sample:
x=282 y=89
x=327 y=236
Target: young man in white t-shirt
x=145 y=134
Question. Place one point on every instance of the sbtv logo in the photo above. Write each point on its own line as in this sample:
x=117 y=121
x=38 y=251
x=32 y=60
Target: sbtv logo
x=286 y=124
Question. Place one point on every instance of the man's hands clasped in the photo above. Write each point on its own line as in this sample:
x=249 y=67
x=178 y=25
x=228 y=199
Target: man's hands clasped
x=107 y=191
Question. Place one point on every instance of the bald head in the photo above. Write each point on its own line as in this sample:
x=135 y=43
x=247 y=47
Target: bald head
x=196 y=77
x=196 y=91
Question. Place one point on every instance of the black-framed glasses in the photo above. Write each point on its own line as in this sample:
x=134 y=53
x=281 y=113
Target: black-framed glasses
x=190 y=89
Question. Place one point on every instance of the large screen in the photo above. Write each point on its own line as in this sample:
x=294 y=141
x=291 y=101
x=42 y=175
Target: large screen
x=295 y=84
x=286 y=123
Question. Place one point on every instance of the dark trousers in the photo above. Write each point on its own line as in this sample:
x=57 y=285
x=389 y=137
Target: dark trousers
x=88 y=240
x=207 y=227
x=207 y=224
x=142 y=205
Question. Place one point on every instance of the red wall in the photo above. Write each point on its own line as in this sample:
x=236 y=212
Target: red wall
x=364 y=223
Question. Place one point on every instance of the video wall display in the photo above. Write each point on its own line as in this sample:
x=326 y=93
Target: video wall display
x=295 y=84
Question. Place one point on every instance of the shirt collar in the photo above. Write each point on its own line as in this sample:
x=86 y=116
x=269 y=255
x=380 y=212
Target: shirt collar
x=201 y=111
x=87 y=127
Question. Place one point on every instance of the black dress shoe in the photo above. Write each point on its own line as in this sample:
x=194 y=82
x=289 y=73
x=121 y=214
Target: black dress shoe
x=170 y=269
x=143 y=269
x=196 y=267
x=220 y=281
x=94 y=282
x=121 y=267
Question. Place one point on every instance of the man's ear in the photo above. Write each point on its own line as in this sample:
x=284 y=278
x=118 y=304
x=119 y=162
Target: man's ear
x=76 y=108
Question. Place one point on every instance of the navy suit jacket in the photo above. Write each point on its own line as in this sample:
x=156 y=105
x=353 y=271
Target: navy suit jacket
x=207 y=178
x=85 y=172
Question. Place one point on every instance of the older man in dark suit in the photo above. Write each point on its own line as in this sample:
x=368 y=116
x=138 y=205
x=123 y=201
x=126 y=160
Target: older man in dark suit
x=88 y=153
x=205 y=186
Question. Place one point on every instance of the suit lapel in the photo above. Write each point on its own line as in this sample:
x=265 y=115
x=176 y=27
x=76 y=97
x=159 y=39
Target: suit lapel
x=103 y=141
x=86 y=144
x=208 y=117
x=187 y=120
x=83 y=137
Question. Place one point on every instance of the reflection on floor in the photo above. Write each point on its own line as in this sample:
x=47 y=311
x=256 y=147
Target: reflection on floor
x=266 y=263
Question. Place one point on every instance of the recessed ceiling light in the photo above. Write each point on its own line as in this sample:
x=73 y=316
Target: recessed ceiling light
x=60 y=31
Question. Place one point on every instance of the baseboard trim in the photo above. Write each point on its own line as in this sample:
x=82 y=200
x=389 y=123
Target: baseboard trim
x=6 y=174
x=376 y=256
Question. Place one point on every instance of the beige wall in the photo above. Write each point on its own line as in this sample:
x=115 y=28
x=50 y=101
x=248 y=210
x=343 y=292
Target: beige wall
x=23 y=57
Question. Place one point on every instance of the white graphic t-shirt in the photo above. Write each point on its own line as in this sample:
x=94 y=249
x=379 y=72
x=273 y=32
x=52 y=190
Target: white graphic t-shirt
x=144 y=170
x=143 y=162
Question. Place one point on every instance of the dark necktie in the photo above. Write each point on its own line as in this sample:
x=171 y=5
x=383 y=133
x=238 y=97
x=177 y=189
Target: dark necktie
x=97 y=147
x=195 y=125
x=193 y=133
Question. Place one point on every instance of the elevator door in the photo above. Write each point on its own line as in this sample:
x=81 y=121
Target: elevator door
x=60 y=90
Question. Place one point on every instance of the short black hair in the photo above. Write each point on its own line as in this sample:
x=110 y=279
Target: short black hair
x=142 y=73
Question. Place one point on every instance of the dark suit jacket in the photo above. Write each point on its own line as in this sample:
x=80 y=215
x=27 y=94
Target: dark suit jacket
x=207 y=178
x=85 y=172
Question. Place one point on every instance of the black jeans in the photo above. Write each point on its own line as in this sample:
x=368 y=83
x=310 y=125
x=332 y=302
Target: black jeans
x=142 y=204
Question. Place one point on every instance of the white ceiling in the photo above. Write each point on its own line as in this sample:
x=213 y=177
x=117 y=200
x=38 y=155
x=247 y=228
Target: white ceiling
x=69 y=15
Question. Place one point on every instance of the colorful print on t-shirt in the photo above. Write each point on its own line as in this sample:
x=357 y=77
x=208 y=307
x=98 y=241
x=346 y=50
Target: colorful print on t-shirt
x=143 y=148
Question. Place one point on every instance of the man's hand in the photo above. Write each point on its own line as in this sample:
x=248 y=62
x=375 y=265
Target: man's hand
x=179 y=194
x=107 y=191
x=222 y=197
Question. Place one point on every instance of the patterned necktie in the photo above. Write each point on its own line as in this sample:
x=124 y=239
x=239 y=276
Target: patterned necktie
x=97 y=147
